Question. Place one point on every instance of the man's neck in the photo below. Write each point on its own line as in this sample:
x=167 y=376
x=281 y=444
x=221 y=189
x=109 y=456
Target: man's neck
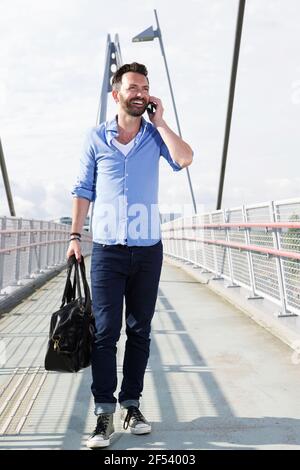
x=128 y=127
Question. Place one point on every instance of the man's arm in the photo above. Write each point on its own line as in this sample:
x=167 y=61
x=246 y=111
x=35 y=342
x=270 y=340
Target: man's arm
x=179 y=150
x=79 y=213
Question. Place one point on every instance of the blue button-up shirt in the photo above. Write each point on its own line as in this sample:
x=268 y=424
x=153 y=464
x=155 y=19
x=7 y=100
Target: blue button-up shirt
x=124 y=188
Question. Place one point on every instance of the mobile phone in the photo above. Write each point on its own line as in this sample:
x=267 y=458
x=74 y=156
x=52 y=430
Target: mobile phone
x=151 y=108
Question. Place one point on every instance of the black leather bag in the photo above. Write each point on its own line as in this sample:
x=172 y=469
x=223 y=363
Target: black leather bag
x=72 y=327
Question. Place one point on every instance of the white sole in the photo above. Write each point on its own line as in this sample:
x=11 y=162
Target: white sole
x=96 y=444
x=140 y=431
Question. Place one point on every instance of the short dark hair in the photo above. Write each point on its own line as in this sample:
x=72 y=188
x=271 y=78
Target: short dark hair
x=133 y=67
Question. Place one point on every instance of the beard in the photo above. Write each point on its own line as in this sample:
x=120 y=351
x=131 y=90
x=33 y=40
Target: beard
x=132 y=109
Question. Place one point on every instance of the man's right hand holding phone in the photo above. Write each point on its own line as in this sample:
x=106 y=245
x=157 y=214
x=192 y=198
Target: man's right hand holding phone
x=156 y=117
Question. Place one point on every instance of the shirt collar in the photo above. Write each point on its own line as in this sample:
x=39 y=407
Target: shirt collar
x=111 y=130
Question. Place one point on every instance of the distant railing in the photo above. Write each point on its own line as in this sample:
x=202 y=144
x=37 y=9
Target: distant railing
x=257 y=247
x=29 y=247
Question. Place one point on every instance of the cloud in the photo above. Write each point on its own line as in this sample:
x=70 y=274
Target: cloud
x=39 y=200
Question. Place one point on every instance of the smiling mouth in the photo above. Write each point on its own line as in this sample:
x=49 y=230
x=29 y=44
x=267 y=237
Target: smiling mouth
x=138 y=103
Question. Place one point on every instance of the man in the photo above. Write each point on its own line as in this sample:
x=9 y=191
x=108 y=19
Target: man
x=119 y=172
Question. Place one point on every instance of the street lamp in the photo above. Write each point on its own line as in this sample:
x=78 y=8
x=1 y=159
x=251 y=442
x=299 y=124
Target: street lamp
x=149 y=35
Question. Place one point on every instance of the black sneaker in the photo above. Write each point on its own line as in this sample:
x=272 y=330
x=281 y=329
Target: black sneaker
x=102 y=433
x=132 y=417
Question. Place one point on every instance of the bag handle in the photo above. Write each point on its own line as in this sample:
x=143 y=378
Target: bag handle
x=70 y=290
x=87 y=294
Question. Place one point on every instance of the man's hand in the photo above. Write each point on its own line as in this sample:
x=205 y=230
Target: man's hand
x=74 y=249
x=157 y=117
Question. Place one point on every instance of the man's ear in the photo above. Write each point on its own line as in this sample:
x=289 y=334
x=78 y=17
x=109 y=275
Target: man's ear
x=115 y=95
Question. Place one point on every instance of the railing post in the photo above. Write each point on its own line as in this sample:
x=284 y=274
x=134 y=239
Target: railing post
x=178 y=241
x=230 y=265
x=188 y=247
x=18 y=253
x=54 y=245
x=61 y=245
x=30 y=248
x=204 y=269
x=36 y=239
x=44 y=247
x=173 y=234
x=279 y=267
x=181 y=238
x=39 y=250
x=217 y=276
x=184 y=242
x=194 y=243
x=48 y=245
x=250 y=260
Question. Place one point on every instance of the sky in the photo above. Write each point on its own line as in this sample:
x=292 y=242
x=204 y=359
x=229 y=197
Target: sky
x=51 y=66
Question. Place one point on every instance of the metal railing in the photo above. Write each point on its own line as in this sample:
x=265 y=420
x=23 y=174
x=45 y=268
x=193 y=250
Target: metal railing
x=257 y=247
x=30 y=247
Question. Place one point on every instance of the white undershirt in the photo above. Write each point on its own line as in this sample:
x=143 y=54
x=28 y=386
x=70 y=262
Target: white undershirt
x=124 y=148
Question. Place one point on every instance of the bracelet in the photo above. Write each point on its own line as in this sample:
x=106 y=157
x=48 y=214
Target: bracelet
x=75 y=233
x=75 y=238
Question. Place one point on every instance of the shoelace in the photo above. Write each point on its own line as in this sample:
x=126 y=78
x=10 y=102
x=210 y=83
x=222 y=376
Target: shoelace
x=102 y=423
x=133 y=412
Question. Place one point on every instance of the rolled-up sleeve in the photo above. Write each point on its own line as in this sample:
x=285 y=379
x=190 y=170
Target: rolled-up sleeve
x=164 y=152
x=85 y=183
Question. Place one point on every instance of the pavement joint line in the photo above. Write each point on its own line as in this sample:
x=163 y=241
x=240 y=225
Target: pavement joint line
x=10 y=396
x=31 y=403
x=2 y=390
x=19 y=400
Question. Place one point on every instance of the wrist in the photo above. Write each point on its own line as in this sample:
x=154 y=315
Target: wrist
x=159 y=123
x=74 y=239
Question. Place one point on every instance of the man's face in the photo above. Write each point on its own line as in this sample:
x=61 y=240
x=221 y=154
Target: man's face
x=134 y=93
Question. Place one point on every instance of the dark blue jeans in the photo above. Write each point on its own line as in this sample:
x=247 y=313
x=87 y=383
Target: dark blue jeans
x=120 y=272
